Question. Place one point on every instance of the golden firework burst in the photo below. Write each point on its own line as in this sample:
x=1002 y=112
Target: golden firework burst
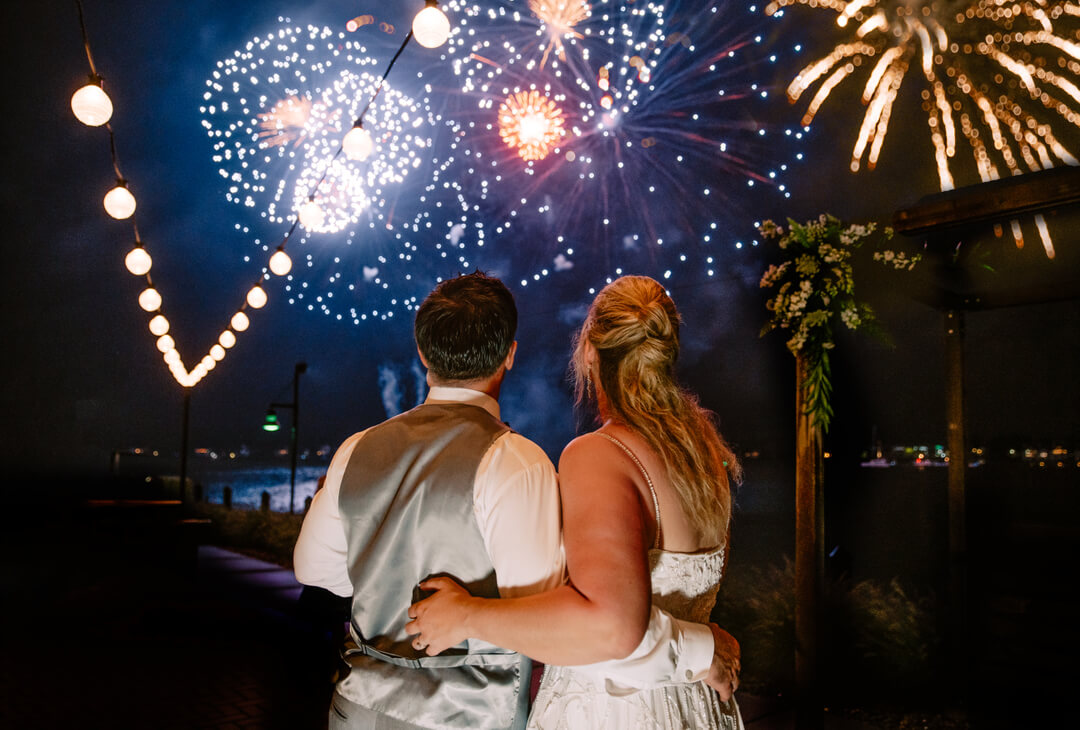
x=531 y=123
x=560 y=17
x=1001 y=78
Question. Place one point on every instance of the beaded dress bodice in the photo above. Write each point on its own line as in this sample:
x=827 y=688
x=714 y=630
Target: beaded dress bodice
x=685 y=584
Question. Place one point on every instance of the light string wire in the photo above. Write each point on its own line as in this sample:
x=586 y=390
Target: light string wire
x=122 y=181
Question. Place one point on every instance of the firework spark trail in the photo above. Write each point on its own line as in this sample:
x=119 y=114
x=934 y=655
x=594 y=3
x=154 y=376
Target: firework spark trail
x=988 y=68
x=275 y=112
x=661 y=145
x=659 y=104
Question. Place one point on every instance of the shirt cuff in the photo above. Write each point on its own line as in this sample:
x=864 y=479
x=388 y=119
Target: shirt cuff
x=695 y=653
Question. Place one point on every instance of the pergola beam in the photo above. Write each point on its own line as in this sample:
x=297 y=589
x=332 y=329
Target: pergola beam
x=990 y=202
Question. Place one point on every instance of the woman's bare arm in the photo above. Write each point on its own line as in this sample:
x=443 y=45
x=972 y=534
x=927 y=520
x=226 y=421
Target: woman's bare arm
x=602 y=614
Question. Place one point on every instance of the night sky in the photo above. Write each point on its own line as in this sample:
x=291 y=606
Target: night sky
x=81 y=376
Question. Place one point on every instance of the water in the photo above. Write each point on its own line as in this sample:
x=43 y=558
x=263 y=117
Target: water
x=249 y=481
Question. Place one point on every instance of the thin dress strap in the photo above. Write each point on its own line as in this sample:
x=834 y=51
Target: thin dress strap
x=655 y=501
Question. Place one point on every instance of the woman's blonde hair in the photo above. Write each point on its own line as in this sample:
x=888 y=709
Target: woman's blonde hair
x=634 y=327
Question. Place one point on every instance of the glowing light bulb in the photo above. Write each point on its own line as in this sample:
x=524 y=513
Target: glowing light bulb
x=240 y=322
x=217 y=352
x=138 y=261
x=119 y=202
x=165 y=343
x=91 y=105
x=357 y=144
x=172 y=357
x=256 y=297
x=159 y=325
x=208 y=362
x=280 y=263
x=431 y=27
x=150 y=300
x=227 y=339
x=311 y=215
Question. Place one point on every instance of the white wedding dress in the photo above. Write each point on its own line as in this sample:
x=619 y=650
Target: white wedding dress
x=684 y=585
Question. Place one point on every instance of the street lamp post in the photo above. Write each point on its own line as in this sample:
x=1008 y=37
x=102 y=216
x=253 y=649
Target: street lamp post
x=271 y=424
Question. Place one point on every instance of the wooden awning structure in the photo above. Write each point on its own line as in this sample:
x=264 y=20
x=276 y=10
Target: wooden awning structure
x=974 y=263
x=968 y=229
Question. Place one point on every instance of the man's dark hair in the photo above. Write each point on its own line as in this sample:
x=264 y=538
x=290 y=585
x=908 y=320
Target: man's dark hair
x=465 y=327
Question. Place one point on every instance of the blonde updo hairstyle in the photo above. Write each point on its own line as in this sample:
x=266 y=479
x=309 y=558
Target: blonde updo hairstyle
x=634 y=327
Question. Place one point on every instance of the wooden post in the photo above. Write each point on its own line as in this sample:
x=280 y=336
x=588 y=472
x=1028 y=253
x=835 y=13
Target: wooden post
x=957 y=446
x=809 y=555
x=184 y=442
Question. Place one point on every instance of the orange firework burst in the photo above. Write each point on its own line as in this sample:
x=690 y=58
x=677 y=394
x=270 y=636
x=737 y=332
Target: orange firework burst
x=530 y=123
x=560 y=16
x=285 y=122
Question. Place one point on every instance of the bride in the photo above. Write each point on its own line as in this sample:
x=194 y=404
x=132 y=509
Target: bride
x=646 y=506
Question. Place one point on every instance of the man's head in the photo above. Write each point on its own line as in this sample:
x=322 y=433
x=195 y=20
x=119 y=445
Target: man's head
x=465 y=328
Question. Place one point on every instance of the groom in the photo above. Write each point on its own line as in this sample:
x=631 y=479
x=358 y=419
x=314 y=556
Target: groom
x=448 y=489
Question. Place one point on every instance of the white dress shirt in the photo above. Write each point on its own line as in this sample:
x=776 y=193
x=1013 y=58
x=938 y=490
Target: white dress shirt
x=518 y=512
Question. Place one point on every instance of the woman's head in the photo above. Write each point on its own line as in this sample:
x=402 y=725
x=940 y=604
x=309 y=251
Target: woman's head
x=624 y=357
x=629 y=343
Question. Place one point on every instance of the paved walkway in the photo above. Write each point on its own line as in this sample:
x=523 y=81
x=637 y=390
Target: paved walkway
x=114 y=617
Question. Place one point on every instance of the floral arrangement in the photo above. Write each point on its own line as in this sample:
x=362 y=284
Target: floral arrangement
x=815 y=289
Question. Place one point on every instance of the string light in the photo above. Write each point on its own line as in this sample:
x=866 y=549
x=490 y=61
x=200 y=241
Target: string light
x=431 y=27
x=92 y=106
x=165 y=343
x=150 y=300
x=138 y=261
x=159 y=325
x=256 y=297
x=119 y=202
x=311 y=215
x=239 y=322
x=280 y=263
x=358 y=144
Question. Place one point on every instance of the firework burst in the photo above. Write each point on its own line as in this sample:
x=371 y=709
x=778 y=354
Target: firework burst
x=999 y=77
x=530 y=123
x=560 y=17
x=275 y=112
x=663 y=146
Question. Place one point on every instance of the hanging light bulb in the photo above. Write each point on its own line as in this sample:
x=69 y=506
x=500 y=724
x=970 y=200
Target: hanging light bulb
x=256 y=297
x=200 y=371
x=217 y=352
x=172 y=357
x=209 y=363
x=357 y=144
x=280 y=263
x=165 y=343
x=159 y=325
x=138 y=261
x=91 y=104
x=239 y=322
x=227 y=339
x=311 y=215
x=431 y=27
x=150 y=300
x=119 y=202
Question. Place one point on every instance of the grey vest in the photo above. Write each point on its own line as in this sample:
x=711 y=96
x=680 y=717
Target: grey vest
x=406 y=502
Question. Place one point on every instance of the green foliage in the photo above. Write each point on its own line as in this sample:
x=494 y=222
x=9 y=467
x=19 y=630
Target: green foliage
x=814 y=286
x=893 y=634
x=266 y=535
x=757 y=606
x=881 y=640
